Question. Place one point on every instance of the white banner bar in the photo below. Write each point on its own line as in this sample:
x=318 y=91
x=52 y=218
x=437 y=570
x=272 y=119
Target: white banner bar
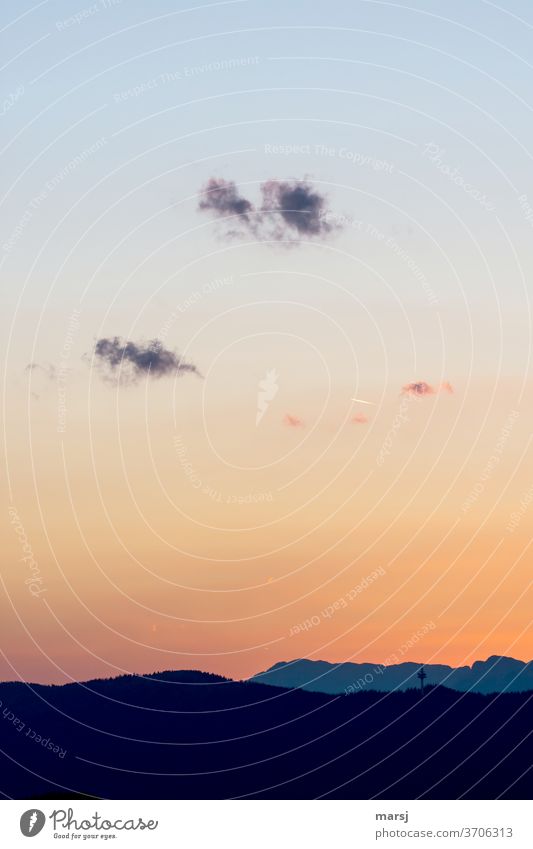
x=268 y=824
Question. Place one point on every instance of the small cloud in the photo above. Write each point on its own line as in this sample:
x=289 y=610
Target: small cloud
x=131 y=360
x=221 y=198
x=290 y=210
x=292 y=421
x=419 y=389
x=300 y=209
x=360 y=418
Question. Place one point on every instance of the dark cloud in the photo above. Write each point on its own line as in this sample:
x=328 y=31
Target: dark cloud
x=132 y=360
x=290 y=210
x=222 y=199
x=300 y=207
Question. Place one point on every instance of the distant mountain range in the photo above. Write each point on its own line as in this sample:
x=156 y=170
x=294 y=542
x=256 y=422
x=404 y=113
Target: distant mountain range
x=494 y=675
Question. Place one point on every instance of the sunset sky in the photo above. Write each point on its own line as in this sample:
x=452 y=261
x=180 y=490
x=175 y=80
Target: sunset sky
x=192 y=519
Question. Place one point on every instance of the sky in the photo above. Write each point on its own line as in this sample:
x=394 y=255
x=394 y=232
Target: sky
x=266 y=334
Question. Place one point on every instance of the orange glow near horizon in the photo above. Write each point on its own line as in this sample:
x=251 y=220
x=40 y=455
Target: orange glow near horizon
x=154 y=551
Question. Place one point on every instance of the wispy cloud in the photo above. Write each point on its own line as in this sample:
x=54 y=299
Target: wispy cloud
x=360 y=418
x=48 y=370
x=48 y=374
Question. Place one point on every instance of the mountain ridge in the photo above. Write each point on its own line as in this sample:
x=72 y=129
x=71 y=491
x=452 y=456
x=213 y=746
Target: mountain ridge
x=158 y=737
x=496 y=674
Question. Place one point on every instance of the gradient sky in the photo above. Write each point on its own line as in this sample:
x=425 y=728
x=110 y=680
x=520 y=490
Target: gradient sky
x=163 y=526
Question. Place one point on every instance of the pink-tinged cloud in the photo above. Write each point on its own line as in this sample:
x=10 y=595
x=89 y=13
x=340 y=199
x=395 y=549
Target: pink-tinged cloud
x=420 y=388
x=292 y=421
x=360 y=418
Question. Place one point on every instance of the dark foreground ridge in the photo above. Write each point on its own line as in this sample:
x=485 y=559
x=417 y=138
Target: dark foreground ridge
x=194 y=735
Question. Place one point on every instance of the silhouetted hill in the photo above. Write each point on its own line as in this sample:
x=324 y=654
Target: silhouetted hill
x=192 y=735
x=494 y=675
